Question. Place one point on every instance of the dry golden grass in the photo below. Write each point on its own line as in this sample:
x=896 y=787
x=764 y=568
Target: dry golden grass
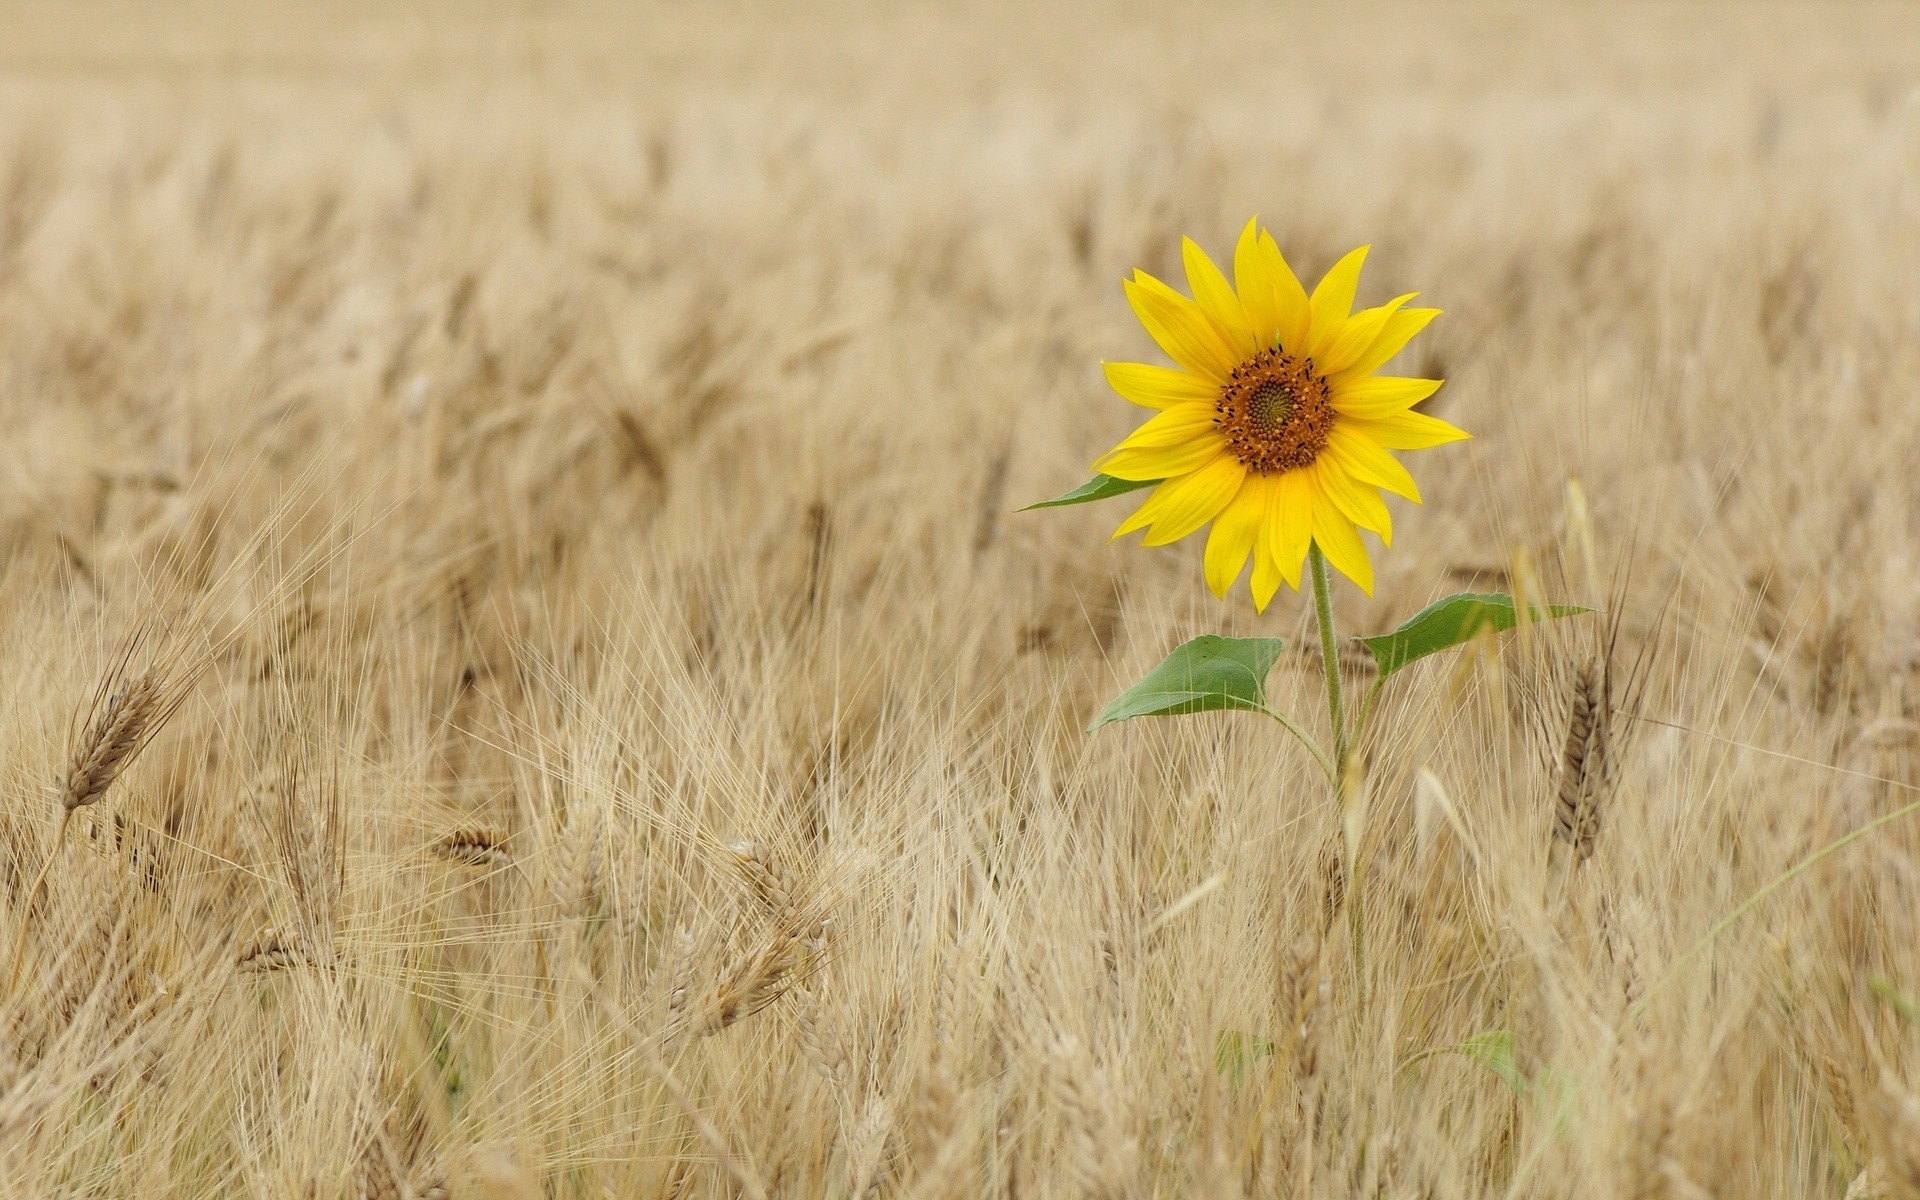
x=626 y=745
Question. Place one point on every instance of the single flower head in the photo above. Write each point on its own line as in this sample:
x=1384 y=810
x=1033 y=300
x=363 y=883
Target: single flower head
x=1273 y=426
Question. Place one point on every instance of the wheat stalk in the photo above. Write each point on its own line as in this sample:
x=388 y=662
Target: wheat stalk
x=794 y=942
x=678 y=969
x=271 y=950
x=755 y=981
x=581 y=844
x=1618 y=943
x=763 y=873
x=111 y=740
x=1648 y=1142
x=473 y=848
x=1102 y=1149
x=120 y=727
x=1585 y=766
x=311 y=832
x=824 y=1050
x=742 y=1172
x=948 y=1173
x=1897 y=1123
x=1837 y=1082
x=867 y=1147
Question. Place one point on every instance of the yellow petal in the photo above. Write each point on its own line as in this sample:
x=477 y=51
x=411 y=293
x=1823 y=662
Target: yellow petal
x=1364 y=459
x=1212 y=292
x=1340 y=542
x=1377 y=396
x=1332 y=301
x=1410 y=431
x=1358 y=502
x=1362 y=331
x=1171 y=427
x=1180 y=506
x=1294 y=314
x=1149 y=511
x=1157 y=387
x=1394 y=335
x=1182 y=328
x=1234 y=532
x=1266 y=573
x=1254 y=281
x=1140 y=518
x=1290 y=523
x=1131 y=461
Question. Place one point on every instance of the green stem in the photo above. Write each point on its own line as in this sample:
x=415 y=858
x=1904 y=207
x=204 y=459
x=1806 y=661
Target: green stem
x=1313 y=747
x=1342 y=749
x=1329 y=659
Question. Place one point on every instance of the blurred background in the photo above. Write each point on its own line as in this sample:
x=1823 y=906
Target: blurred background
x=589 y=436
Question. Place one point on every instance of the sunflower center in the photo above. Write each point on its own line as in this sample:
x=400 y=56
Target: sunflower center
x=1275 y=412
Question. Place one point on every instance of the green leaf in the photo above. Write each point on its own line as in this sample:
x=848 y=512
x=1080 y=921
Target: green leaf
x=1100 y=487
x=1207 y=674
x=1234 y=1052
x=1447 y=623
x=1494 y=1051
x=1890 y=992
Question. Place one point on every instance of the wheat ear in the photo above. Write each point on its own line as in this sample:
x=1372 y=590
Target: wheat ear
x=115 y=735
x=473 y=848
x=1584 y=767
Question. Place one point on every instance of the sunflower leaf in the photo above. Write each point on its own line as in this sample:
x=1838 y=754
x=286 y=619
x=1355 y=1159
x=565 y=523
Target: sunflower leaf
x=1447 y=623
x=1100 y=487
x=1207 y=674
x=1494 y=1051
x=1890 y=992
x=1234 y=1052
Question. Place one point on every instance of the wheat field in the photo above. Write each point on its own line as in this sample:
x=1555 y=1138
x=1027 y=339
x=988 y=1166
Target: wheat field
x=521 y=674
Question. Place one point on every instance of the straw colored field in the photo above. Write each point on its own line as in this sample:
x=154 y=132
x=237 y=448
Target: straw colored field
x=554 y=466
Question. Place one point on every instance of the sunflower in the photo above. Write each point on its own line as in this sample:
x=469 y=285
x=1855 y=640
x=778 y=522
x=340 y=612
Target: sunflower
x=1273 y=426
